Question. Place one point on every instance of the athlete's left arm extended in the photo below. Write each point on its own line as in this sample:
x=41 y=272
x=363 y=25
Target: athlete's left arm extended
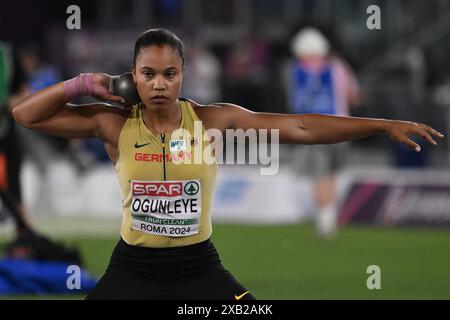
x=326 y=129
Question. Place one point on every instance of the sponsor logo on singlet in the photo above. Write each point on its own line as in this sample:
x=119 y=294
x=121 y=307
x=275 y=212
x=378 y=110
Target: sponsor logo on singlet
x=166 y=208
x=137 y=146
x=177 y=145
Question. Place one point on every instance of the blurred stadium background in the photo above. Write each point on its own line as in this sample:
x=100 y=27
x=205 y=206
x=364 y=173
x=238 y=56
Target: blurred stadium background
x=394 y=204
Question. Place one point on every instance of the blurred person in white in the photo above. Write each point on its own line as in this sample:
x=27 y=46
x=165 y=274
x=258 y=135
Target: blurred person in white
x=319 y=82
x=203 y=74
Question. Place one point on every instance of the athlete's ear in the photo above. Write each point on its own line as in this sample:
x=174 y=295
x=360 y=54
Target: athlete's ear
x=133 y=72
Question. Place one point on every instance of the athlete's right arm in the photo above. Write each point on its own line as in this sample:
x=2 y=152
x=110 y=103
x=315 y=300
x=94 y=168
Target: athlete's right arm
x=49 y=111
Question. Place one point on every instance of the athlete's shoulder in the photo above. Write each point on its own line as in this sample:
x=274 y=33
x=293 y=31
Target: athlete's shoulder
x=210 y=108
x=219 y=115
x=208 y=111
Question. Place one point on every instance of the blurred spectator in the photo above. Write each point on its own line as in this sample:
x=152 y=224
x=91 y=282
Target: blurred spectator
x=246 y=72
x=202 y=76
x=28 y=244
x=39 y=74
x=319 y=82
x=89 y=152
x=40 y=148
x=440 y=96
x=168 y=10
x=12 y=89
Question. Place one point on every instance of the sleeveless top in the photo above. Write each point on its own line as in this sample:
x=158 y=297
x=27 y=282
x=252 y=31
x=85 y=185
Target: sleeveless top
x=166 y=182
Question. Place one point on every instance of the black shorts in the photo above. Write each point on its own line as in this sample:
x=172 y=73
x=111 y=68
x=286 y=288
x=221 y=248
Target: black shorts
x=182 y=273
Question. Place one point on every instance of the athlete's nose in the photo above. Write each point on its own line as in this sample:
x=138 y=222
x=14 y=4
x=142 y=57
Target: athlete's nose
x=159 y=85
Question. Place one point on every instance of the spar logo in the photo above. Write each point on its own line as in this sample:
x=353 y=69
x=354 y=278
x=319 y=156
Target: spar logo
x=191 y=188
x=157 y=189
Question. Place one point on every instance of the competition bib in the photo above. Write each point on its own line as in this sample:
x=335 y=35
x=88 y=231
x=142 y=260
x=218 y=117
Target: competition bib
x=166 y=208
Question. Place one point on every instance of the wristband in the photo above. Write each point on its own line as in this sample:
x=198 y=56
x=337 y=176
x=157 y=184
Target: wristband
x=79 y=86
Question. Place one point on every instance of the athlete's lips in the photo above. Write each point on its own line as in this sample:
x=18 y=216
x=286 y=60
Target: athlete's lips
x=159 y=97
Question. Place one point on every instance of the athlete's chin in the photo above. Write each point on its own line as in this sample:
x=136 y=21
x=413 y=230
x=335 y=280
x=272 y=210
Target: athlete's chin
x=159 y=102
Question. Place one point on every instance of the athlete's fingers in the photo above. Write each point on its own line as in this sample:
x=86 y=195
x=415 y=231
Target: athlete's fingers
x=115 y=98
x=104 y=94
x=413 y=145
x=432 y=131
x=426 y=136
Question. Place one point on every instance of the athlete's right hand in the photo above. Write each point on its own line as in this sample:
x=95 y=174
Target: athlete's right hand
x=100 y=88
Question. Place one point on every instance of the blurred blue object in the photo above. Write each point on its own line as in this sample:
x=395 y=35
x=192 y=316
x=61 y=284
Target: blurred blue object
x=39 y=277
x=96 y=148
x=232 y=190
x=313 y=91
x=43 y=78
x=404 y=157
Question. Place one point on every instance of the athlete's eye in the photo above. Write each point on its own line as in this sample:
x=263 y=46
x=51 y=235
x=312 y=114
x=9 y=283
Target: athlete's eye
x=171 y=74
x=148 y=74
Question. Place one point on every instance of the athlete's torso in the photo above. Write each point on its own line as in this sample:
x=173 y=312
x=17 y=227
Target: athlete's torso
x=165 y=182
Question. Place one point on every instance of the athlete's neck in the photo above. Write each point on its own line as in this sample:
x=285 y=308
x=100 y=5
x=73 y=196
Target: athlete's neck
x=162 y=119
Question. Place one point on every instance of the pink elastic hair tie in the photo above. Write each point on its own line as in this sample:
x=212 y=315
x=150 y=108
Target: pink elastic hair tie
x=79 y=86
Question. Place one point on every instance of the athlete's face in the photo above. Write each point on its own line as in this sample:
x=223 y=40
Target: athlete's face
x=158 y=73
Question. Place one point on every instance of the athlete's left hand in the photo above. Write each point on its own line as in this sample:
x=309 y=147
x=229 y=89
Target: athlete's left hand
x=402 y=130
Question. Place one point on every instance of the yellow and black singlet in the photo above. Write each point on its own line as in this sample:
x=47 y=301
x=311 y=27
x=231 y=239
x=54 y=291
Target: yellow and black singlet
x=166 y=181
